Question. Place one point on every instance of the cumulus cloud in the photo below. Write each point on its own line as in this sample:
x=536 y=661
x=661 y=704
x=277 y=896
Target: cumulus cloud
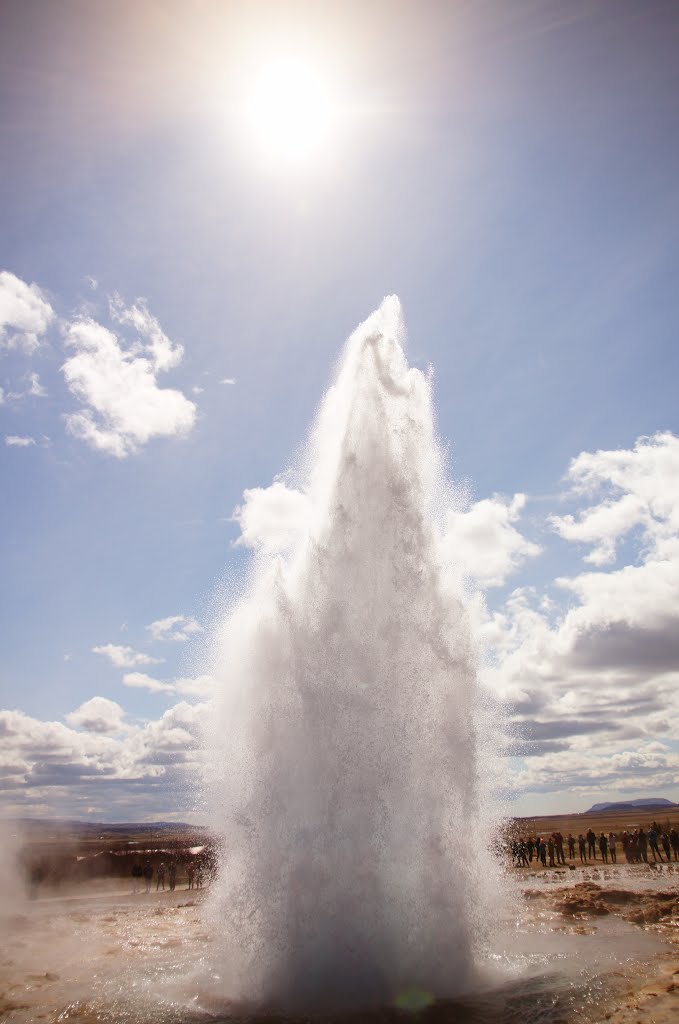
x=97 y=715
x=19 y=441
x=25 y=313
x=116 y=383
x=638 y=487
x=483 y=542
x=96 y=761
x=125 y=657
x=178 y=628
x=602 y=672
x=270 y=518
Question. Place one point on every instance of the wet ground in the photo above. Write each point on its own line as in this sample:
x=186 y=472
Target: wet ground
x=592 y=945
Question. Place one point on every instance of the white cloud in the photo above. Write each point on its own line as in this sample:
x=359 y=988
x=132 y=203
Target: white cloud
x=639 y=487
x=124 y=407
x=164 y=354
x=141 y=681
x=196 y=390
x=228 y=380
x=272 y=517
x=123 y=770
x=484 y=544
x=25 y=313
x=198 y=686
x=18 y=441
x=34 y=389
x=592 y=689
x=125 y=657
x=178 y=628
x=98 y=715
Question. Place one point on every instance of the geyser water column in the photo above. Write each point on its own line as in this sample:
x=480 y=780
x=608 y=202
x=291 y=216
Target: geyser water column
x=347 y=783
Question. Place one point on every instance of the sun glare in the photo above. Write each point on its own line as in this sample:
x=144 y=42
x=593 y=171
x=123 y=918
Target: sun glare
x=289 y=110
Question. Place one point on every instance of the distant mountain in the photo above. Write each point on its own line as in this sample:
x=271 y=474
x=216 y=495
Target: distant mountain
x=648 y=803
x=73 y=825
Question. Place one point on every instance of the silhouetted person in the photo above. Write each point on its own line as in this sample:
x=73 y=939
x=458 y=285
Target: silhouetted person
x=148 y=874
x=591 y=845
x=642 y=840
x=550 y=848
x=558 y=844
x=542 y=849
x=571 y=847
x=603 y=847
x=611 y=847
x=665 y=841
x=582 y=848
x=653 y=843
x=160 y=880
x=674 y=842
x=172 y=875
x=137 y=875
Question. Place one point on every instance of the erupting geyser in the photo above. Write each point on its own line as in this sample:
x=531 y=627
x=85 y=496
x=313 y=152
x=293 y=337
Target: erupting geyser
x=349 y=781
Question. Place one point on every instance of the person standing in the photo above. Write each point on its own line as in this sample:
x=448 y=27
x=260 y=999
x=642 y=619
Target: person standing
x=591 y=845
x=148 y=874
x=550 y=848
x=603 y=847
x=665 y=842
x=137 y=875
x=571 y=847
x=653 y=843
x=172 y=874
x=674 y=841
x=160 y=876
x=611 y=848
x=542 y=849
x=582 y=847
x=642 y=841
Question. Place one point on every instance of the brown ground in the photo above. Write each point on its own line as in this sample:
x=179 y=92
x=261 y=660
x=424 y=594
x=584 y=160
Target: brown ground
x=90 y=925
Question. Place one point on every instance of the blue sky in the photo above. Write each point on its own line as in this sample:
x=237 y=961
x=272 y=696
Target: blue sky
x=512 y=173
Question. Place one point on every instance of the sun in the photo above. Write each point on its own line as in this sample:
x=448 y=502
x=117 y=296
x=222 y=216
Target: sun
x=289 y=110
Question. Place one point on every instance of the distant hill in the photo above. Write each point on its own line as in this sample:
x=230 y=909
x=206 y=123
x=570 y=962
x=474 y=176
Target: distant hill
x=73 y=825
x=648 y=803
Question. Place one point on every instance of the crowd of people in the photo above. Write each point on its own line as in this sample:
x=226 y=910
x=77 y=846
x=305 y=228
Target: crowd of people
x=635 y=847
x=198 y=870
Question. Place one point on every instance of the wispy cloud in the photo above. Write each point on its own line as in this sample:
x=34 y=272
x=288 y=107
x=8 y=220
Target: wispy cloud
x=125 y=657
x=19 y=441
x=33 y=389
x=198 y=686
x=228 y=380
